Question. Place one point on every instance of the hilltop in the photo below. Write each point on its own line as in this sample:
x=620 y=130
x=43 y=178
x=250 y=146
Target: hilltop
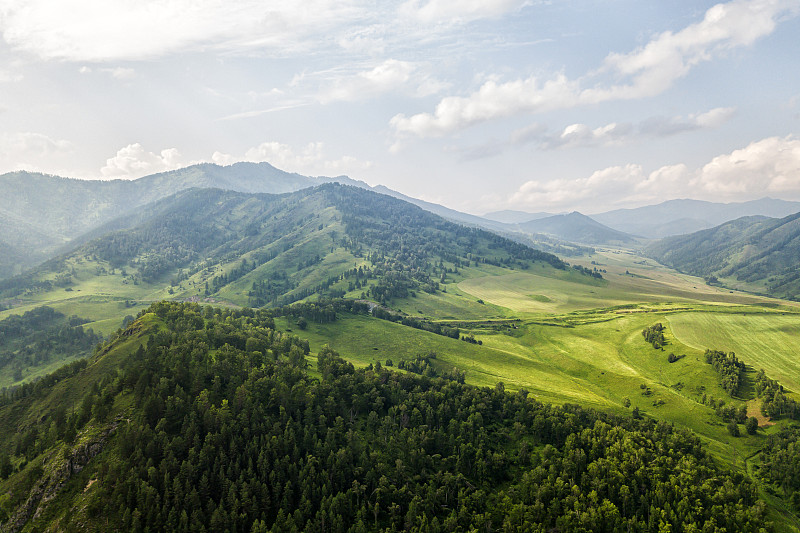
x=576 y=227
x=40 y=213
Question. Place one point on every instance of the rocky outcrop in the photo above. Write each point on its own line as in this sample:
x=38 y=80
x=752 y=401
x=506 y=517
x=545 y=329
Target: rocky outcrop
x=58 y=470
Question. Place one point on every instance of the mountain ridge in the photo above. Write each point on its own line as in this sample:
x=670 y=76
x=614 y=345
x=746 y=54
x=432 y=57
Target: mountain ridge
x=763 y=252
x=683 y=216
x=577 y=227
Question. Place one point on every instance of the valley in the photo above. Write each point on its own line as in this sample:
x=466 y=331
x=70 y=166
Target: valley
x=564 y=334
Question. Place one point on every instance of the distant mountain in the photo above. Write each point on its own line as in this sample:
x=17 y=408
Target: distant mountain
x=576 y=227
x=756 y=250
x=677 y=217
x=514 y=217
x=41 y=213
x=265 y=249
x=10 y=257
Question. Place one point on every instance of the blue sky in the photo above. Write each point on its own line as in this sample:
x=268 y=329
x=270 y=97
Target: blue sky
x=478 y=105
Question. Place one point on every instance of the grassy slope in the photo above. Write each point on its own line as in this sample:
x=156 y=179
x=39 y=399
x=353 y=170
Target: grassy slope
x=594 y=356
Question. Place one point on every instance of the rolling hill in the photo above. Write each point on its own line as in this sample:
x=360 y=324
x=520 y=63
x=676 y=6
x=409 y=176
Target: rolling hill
x=762 y=253
x=259 y=249
x=576 y=227
x=41 y=213
x=197 y=419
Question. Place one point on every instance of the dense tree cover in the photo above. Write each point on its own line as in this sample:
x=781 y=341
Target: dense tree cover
x=780 y=464
x=372 y=220
x=655 y=335
x=323 y=311
x=751 y=249
x=774 y=402
x=41 y=386
x=280 y=243
x=228 y=432
x=41 y=336
x=729 y=368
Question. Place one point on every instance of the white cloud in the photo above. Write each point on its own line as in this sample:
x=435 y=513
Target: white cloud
x=612 y=134
x=121 y=73
x=133 y=161
x=222 y=159
x=309 y=159
x=107 y=30
x=670 y=56
x=284 y=156
x=580 y=135
x=645 y=72
x=449 y=12
x=120 y=30
x=389 y=75
x=769 y=167
x=29 y=151
x=8 y=76
x=493 y=100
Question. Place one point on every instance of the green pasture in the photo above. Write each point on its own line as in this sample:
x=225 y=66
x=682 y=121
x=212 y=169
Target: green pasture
x=762 y=340
x=627 y=280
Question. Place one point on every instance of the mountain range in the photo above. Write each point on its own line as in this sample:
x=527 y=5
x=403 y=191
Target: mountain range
x=42 y=216
x=759 y=251
x=258 y=249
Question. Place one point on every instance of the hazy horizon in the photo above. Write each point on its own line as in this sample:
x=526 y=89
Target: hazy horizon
x=505 y=104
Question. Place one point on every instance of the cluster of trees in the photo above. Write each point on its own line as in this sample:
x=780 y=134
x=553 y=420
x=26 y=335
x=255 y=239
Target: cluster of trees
x=774 y=402
x=421 y=364
x=594 y=272
x=417 y=323
x=41 y=336
x=323 y=311
x=40 y=387
x=780 y=464
x=729 y=368
x=244 y=268
x=225 y=438
x=268 y=290
x=655 y=335
x=424 y=365
x=470 y=338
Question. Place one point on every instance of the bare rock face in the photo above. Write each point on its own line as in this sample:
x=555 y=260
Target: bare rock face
x=58 y=470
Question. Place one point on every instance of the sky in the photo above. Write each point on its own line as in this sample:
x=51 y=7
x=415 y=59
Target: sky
x=479 y=105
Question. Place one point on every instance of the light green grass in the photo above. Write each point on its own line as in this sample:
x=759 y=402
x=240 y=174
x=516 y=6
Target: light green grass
x=768 y=341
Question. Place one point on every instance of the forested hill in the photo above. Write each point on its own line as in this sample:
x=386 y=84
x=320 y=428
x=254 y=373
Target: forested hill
x=40 y=212
x=261 y=249
x=194 y=419
x=763 y=252
x=576 y=227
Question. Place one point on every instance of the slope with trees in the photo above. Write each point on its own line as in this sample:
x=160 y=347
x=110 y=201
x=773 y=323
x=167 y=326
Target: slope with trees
x=196 y=419
x=761 y=253
x=261 y=249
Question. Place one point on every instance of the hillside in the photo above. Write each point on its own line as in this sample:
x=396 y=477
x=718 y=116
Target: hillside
x=678 y=217
x=197 y=419
x=39 y=212
x=763 y=253
x=576 y=227
x=260 y=249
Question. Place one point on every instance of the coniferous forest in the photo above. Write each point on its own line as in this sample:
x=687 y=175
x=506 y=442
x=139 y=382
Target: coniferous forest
x=215 y=421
